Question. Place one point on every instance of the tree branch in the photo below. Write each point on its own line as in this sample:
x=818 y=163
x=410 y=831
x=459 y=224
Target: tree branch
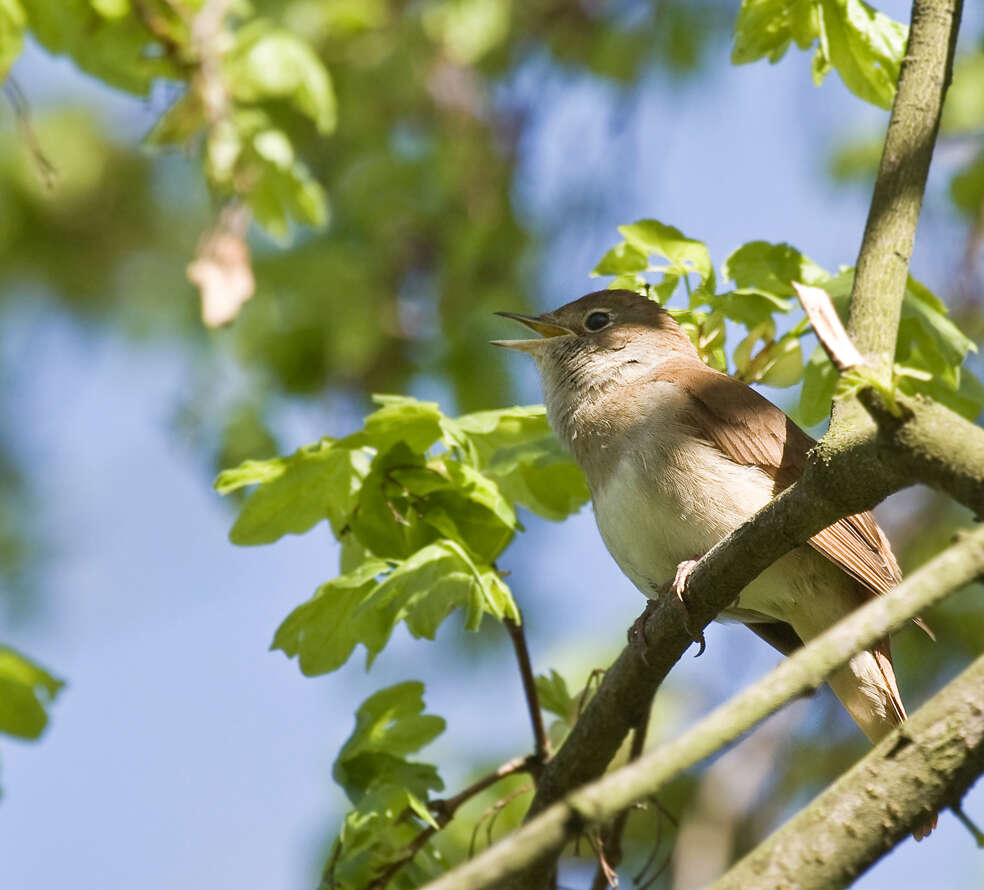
x=928 y=764
x=541 y=743
x=883 y=260
x=537 y=844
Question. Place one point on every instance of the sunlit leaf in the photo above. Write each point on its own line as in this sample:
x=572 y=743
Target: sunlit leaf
x=318 y=482
x=26 y=692
x=862 y=44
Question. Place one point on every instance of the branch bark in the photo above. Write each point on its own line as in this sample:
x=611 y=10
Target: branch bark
x=536 y=845
x=883 y=260
x=928 y=764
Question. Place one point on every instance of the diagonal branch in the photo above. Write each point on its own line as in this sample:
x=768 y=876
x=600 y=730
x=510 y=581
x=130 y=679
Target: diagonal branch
x=927 y=765
x=537 y=844
x=889 y=234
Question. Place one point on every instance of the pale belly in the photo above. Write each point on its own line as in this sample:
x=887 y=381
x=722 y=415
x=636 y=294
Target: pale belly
x=651 y=519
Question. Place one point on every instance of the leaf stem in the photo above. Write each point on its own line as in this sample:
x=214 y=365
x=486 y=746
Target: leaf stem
x=541 y=749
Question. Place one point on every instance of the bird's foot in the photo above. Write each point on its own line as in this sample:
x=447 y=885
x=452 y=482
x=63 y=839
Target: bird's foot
x=678 y=585
x=638 y=639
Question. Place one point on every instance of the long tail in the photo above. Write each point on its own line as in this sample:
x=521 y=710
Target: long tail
x=868 y=689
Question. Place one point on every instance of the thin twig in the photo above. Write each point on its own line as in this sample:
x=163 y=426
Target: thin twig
x=22 y=112
x=541 y=744
x=443 y=811
x=968 y=823
x=610 y=849
x=492 y=813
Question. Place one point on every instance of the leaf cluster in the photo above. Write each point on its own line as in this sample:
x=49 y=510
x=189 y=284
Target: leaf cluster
x=929 y=355
x=423 y=505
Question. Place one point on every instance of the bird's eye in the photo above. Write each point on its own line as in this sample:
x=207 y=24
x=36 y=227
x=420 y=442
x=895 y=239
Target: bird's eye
x=597 y=320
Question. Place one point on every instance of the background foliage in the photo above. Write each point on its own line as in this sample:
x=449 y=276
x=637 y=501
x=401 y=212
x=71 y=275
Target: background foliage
x=378 y=149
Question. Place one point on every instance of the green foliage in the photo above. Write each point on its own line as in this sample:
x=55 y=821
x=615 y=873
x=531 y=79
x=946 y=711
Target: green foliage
x=423 y=503
x=865 y=46
x=389 y=793
x=26 y=692
x=12 y=21
x=929 y=354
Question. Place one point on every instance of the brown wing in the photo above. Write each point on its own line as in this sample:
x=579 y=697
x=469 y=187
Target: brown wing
x=750 y=430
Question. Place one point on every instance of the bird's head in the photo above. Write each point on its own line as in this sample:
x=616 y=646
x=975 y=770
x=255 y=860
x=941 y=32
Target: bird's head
x=606 y=336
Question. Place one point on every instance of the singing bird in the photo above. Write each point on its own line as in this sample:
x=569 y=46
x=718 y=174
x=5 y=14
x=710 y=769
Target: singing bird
x=678 y=455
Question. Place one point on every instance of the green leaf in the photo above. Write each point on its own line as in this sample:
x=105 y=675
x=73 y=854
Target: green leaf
x=400 y=419
x=26 y=692
x=767 y=270
x=118 y=50
x=485 y=432
x=12 y=24
x=424 y=589
x=622 y=259
x=270 y=63
x=765 y=28
x=387 y=518
x=819 y=383
x=320 y=481
x=469 y=508
x=649 y=236
x=390 y=723
x=325 y=630
x=517 y=449
x=554 y=695
x=282 y=188
x=967 y=187
x=865 y=46
x=111 y=9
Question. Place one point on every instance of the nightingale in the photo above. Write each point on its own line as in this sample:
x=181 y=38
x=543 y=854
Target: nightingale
x=677 y=455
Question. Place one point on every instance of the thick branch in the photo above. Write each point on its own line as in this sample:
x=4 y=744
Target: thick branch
x=883 y=261
x=541 y=840
x=930 y=443
x=925 y=766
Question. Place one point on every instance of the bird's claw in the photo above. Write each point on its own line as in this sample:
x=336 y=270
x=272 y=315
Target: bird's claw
x=677 y=585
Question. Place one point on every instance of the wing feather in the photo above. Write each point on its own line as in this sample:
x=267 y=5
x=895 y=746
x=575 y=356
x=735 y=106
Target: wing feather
x=750 y=430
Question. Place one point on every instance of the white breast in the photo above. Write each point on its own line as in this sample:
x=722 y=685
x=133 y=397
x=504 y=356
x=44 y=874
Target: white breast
x=672 y=497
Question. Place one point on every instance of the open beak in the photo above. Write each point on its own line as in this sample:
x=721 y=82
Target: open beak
x=546 y=329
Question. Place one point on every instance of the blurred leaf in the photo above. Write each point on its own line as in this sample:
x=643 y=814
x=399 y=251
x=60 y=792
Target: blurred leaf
x=967 y=187
x=111 y=9
x=12 y=22
x=964 y=108
x=271 y=63
x=622 y=259
x=468 y=29
x=865 y=46
x=26 y=692
x=554 y=695
x=320 y=481
x=116 y=49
